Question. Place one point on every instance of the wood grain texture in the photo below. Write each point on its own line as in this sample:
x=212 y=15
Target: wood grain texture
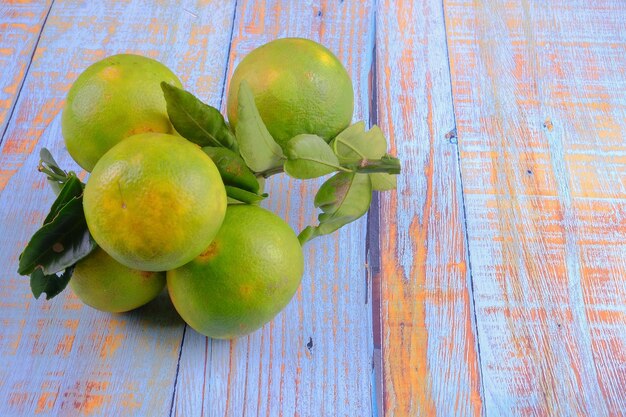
x=60 y=357
x=525 y=317
x=315 y=358
x=20 y=26
x=539 y=94
x=429 y=353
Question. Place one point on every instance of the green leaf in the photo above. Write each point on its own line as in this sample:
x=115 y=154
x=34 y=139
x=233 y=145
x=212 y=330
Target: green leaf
x=63 y=239
x=309 y=156
x=243 y=196
x=233 y=169
x=383 y=182
x=72 y=188
x=60 y=243
x=196 y=121
x=343 y=198
x=51 y=284
x=257 y=147
x=354 y=143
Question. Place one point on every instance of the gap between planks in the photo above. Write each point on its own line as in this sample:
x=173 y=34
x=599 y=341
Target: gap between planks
x=208 y=341
x=453 y=138
x=372 y=251
x=26 y=72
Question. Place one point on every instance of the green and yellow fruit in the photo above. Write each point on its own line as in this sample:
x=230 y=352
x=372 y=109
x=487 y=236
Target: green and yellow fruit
x=113 y=99
x=154 y=202
x=243 y=279
x=299 y=87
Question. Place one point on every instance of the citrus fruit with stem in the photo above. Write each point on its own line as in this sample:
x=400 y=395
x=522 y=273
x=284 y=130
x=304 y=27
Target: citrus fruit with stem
x=113 y=99
x=244 y=278
x=106 y=285
x=154 y=201
x=299 y=87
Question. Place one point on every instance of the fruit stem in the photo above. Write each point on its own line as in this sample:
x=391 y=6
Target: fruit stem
x=387 y=164
x=270 y=172
x=53 y=176
x=56 y=176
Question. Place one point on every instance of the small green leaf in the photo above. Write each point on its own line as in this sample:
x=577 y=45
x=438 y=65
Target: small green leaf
x=339 y=193
x=307 y=234
x=233 y=169
x=60 y=243
x=72 y=188
x=365 y=152
x=309 y=156
x=54 y=174
x=46 y=159
x=343 y=198
x=196 y=121
x=56 y=187
x=52 y=284
x=383 y=182
x=354 y=143
x=243 y=196
x=257 y=147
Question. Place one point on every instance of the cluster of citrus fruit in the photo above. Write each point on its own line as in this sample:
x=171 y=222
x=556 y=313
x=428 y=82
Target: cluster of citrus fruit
x=173 y=194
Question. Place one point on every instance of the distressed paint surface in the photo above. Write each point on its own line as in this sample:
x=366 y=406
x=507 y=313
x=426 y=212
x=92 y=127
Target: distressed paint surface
x=398 y=314
x=61 y=357
x=20 y=26
x=429 y=354
x=540 y=99
x=315 y=358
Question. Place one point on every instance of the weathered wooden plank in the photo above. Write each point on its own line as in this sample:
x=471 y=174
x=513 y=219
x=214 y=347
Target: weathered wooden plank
x=60 y=357
x=539 y=93
x=20 y=26
x=429 y=351
x=315 y=358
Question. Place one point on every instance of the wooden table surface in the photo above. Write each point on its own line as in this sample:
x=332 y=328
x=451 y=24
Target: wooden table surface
x=491 y=283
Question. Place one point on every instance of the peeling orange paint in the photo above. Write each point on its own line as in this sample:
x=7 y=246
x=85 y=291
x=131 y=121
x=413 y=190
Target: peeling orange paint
x=112 y=339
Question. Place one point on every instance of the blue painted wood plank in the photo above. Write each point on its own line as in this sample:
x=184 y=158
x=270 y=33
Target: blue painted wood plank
x=61 y=357
x=430 y=359
x=315 y=358
x=20 y=26
x=539 y=95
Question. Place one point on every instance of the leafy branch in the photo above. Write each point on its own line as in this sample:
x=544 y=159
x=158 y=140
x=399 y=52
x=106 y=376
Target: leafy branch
x=63 y=239
x=244 y=157
x=357 y=157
